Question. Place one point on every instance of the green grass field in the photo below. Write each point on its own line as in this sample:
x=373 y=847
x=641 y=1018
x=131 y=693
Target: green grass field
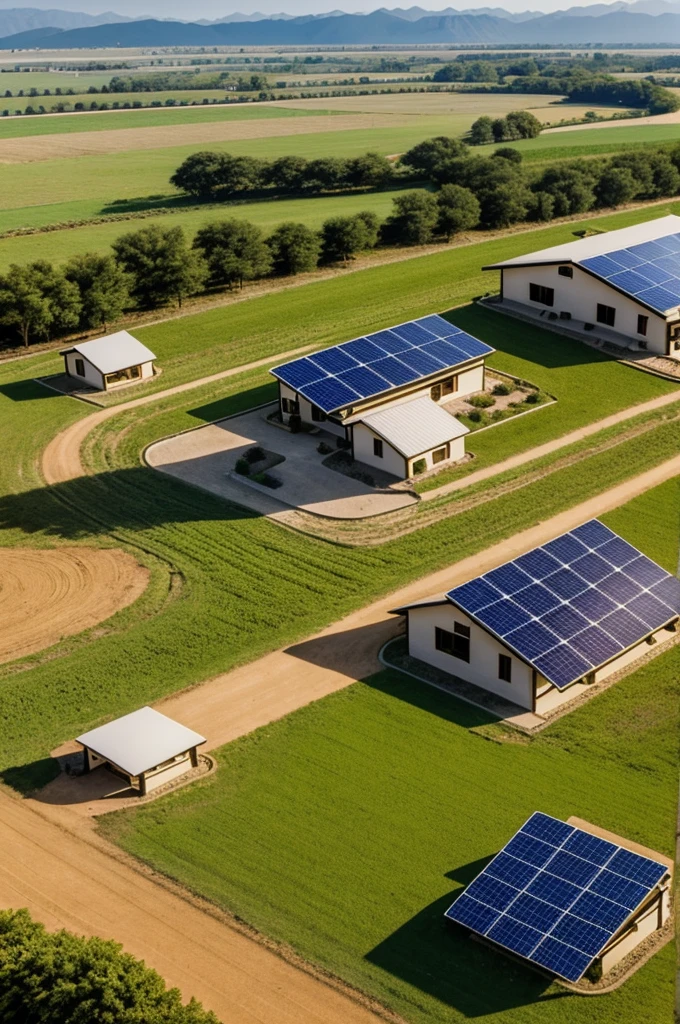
x=346 y=829
x=593 y=142
x=20 y=127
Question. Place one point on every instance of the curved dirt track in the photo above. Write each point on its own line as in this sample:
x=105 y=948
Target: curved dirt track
x=48 y=594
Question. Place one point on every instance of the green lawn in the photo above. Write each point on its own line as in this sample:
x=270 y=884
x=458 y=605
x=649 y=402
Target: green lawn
x=11 y=128
x=591 y=142
x=347 y=828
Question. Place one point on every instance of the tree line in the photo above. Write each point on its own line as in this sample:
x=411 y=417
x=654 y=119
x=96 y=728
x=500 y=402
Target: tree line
x=154 y=266
x=49 y=977
x=519 y=124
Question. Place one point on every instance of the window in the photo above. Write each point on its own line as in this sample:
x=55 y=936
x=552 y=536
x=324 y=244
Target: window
x=605 y=314
x=539 y=293
x=440 y=455
x=505 y=668
x=565 y=271
x=318 y=415
x=132 y=373
x=436 y=392
x=445 y=387
x=377 y=448
x=642 y=324
x=457 y=644
x=290 y=406
x=80 y=367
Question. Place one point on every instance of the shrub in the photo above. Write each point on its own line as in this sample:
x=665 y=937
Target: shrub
x=502 y=389
x=243 y=467
x=267 y=480
x=323 y=448
x=419 y=466
x=482 y=401
x=477 y=416
x=255 y=454
x=533 y=398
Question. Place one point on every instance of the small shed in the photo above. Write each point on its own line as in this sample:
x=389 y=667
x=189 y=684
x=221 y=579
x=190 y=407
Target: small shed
x=145 y=748
x=409 y=438
x=109 y=362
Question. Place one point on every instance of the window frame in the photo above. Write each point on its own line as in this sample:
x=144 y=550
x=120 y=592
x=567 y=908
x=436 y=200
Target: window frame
x=318 y=415
x=542 y=294
x=456 y=644
x=378 y=448
x=438 y=451
x=290 y=407
x=80 y=367
x=642 y=324
x=505 y=668
x=565 y=270
x=605 y=314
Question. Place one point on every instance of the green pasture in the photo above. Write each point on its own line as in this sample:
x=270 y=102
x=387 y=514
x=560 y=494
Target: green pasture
x=59 y=246
x=157 y=117
x=347 y=828
x=569 y=145
x=76 y=80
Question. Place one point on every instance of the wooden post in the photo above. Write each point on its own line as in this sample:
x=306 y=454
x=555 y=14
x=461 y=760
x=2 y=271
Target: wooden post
x=193 y=754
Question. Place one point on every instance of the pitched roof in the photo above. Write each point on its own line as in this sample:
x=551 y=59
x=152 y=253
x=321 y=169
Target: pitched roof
x=114 y=352
x=415 y=427
x=141 y=740
x=642 y=261
x=348 y=374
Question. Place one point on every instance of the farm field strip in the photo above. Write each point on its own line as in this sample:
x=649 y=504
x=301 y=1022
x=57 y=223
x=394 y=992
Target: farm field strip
x=273 y=835
x=552 y=145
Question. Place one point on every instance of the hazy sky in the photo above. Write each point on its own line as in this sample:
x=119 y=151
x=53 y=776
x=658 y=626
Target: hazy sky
x=218 y=8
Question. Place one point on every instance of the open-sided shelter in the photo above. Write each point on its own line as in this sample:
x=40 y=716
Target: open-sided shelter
x=382 y=394
x=625 y=281
x=567 y=897
x=539 y=629
x=109 y=362
x=145 y=748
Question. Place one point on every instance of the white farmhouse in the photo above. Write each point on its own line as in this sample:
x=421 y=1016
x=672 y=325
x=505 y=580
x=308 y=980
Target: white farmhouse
x=538 y=630
x=109 y=362
x=383 y=394
x=624 y=284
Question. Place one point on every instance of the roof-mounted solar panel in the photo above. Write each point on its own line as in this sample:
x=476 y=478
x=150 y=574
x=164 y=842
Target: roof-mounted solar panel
x=556 y=895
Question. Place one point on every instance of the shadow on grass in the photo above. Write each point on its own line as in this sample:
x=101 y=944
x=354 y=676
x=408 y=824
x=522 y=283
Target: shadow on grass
x=27 y=391
x=443 y=960
x=26 y=777
x=429 y=698
x=233 y=405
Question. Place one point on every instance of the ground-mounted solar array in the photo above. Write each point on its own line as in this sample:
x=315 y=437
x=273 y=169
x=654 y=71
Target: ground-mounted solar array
x=574 y=603
x=556 y=895
x=650 y=271
x=365 y=367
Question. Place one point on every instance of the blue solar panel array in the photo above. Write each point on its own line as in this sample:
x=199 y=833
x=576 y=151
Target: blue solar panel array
x=649 y=271
x=556 y=895
x=573 y=604
x=365 y=367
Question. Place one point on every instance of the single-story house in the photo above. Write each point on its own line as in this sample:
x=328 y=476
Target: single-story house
x=109 y=362
x=626 y=282
x=382 y=394
x=567 y=897
x=145 y=748
x=539 y=629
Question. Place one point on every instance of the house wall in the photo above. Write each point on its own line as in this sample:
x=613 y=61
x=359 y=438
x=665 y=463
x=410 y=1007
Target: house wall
x=633 y=654
x=391 y=462
x=456 y=453
x=92 y=376
x=579 y=296
x=161 y=776
x=482 y=669
x=648 y=922
x=554 y=698
x=147 y=370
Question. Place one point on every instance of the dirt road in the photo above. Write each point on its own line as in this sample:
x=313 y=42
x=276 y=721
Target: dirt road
x=46 y=595
x=71 y=882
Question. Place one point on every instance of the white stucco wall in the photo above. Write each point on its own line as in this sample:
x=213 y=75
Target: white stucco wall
x=456 y=453
x=147 y=370
x=92 y=376
x=645 y=925
x=482 y=669
x=391 y=462
x=579 y=296
x=165 y=775
x=628 y=657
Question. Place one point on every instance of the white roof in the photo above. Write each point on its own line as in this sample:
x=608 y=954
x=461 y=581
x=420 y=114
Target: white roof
x=597 y=245
x=415 y=427
x=141 y=740
x=114 y=352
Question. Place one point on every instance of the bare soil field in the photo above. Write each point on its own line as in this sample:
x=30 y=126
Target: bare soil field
x=47 y=595
x=672 y=118
x=48 y=147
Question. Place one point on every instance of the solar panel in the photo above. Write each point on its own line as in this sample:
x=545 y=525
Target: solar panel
x=329 y=394
x=422 y=347
x=573 y=604
x=556 y=895
x=658 y=297
x=364 y=381
x=603 y=266
x=649 y=271
x=629 y=281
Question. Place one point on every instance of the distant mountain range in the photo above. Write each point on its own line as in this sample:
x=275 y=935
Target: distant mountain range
x=644 y=21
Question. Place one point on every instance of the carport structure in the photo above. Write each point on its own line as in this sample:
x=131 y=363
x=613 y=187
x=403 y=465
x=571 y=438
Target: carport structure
x=145 y=748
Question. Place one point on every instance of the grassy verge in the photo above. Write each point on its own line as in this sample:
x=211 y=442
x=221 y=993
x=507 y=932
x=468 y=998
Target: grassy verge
x=593 y=142
x=347 y=828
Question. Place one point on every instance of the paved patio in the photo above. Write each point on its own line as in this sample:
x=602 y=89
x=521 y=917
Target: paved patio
x=206 y=458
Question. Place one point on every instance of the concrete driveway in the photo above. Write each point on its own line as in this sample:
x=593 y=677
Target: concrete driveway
x=206 y=458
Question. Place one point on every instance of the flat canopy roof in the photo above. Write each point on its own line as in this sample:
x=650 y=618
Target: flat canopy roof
x=342 y=376
x=114 y=352
x=415 y=427
x=642 y=261
x=141 y=740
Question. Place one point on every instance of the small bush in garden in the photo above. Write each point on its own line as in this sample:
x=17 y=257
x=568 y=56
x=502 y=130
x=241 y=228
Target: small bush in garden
x=482 y=401
x=323 y=448
x=243 y=467
x=502 y=389
x=532 y=398
x=267 y=481
x=255 y=454
x=295 y=424
x=477 y=416
x=419 y=466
